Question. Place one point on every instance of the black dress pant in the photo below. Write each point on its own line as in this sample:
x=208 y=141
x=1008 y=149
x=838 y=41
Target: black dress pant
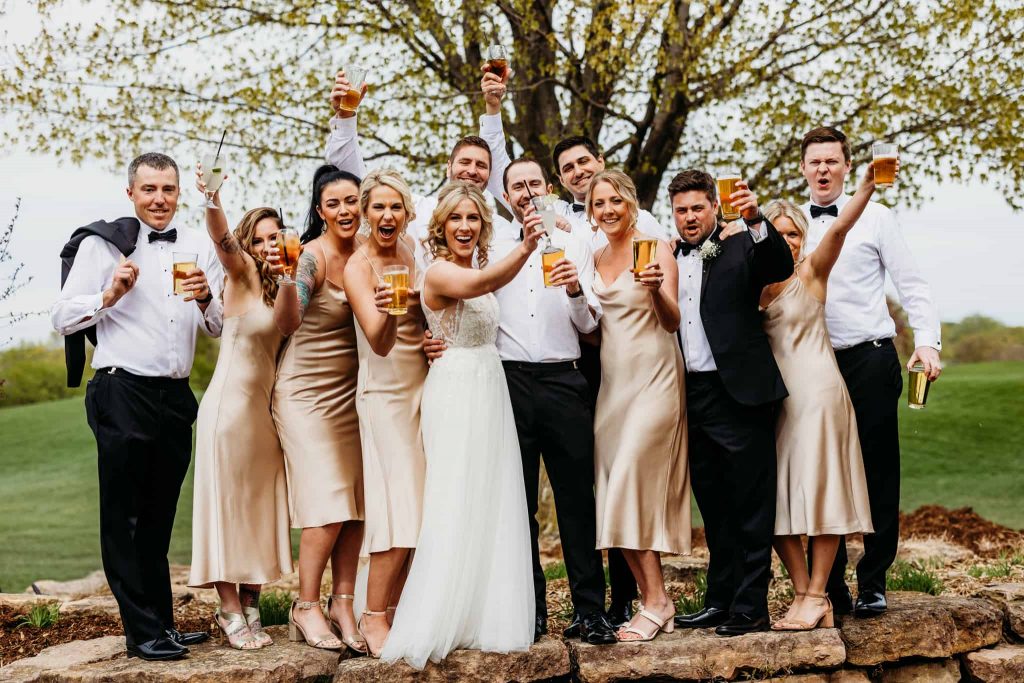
x=732 y=470
x=554 y=420
x=620 y=577
x=874 y=378
x=143 y=429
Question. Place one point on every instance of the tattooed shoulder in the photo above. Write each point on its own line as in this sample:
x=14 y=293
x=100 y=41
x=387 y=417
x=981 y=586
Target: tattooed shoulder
x=229 y=244
x=305 y=278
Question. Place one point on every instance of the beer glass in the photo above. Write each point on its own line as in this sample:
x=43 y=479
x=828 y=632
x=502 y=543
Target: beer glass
x=497 y=60
x=726 y=186
x=885 y=156
x=644 y=250
x=183 y=264
x=397 y=278
x=290 y=248
x=356 y=76
x=213 y=176
x=548 y=258
x=917 y=387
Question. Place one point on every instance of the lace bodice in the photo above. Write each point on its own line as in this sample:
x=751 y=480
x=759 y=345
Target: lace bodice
x=470 y=322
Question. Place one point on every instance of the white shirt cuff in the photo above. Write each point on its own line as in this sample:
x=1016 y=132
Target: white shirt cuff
x=758 y=232
x=491 y=123
x=926 y=338
x=346 y=125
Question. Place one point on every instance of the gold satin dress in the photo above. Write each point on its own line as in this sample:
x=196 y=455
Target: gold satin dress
x=239 y=499
x=821 y=483
x=640 y=436
x=315 y=411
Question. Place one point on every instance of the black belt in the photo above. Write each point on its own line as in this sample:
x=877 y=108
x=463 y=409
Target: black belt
x=153 y=381
x=875 y=343
x=560 y=366
x=701 y=374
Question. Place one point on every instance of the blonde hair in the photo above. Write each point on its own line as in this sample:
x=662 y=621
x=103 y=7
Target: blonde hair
x=245 y=233
x=623 y=186
x=787 y=209
x=387 y=177
x=451 y=195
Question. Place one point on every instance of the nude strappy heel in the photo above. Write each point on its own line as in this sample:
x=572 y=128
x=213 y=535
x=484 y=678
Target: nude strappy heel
x=664 y=626
x=296 y=633
x=826 y=620
x=234 y=628
x=359 y=627
x=252 y=618
x=357 y=645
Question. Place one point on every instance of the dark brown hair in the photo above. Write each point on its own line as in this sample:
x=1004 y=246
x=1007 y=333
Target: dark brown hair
x=692 y=179
x=825 y=134
x=471 y=141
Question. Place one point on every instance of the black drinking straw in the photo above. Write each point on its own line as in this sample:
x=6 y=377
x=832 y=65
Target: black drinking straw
x=216 y=157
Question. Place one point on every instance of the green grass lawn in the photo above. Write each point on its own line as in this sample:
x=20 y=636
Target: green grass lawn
x=965 y=448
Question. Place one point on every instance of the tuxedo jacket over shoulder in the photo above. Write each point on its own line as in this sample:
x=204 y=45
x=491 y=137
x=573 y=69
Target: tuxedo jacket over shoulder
x=730 y=290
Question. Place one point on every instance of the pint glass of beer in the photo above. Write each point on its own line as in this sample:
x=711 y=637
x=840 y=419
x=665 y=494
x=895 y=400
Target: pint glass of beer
x=497 y=60
x=917 y=387
x=290 y=248
x=885 y=155
x=548 y=258
x=183 y=264
x=726 y=186
x=356 y=76
x=644 y=250
x=397 y=278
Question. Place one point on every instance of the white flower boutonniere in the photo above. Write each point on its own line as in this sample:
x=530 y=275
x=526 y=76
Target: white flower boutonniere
x=709 y=250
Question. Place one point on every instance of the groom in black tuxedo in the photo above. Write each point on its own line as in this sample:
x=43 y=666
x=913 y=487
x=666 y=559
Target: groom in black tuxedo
x=732 y=389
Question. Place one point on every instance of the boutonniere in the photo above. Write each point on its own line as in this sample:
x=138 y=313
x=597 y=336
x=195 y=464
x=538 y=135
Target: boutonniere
x=709 y=250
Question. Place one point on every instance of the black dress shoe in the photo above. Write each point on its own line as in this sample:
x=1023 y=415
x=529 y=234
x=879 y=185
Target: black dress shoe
x=705 y=618
x=869 y=604
x=619 y=615
x=595 y=629
x=540 y=627
x=573 y=630
x=842 y=601
x=157 y=649
x=193 y=638
x=741 y=624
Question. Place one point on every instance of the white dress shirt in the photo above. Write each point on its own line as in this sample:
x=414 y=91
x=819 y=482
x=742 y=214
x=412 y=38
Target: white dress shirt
x=538 y=324
x=855 y=309
x=692 y=337
x=342 y=150
x=149 y=331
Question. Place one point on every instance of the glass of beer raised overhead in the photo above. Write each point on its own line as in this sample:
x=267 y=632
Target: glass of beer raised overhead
x=885 y=155
x=356 y=76
x=183 y=264
x=917 y=387
x=397 y=278
x=497 y=60
x=644 y=250
x=290 y=247
x=726 y=186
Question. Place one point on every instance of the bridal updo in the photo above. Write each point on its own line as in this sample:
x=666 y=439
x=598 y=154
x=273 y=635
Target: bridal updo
x=447 y=201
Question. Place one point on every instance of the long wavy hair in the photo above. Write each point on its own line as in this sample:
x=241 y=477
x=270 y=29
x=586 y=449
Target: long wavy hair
x=324 y=176
x=436 y=242
x=623 y=186
x=389 y=178
x=245 y=233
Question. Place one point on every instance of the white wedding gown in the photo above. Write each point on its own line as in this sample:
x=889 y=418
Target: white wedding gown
x=471 y=584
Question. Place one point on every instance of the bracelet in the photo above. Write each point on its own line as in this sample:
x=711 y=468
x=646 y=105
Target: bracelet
x=577 y=295
x=208 y=299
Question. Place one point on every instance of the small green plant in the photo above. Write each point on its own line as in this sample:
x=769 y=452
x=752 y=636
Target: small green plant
x=554 y=571
x=41 y=616
x=1000 y=569
x=274 y=606
x=688 y=604
x=912 y=576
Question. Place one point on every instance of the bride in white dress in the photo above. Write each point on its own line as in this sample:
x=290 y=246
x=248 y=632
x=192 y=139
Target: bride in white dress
x=471 y=584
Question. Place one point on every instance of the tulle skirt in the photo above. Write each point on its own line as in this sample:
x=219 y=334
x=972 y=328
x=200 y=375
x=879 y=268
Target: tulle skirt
x=470 y=585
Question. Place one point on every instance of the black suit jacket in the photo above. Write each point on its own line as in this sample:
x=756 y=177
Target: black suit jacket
x=123 y=234
x=730 y=290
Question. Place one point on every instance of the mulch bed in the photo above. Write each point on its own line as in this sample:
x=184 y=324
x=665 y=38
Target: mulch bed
x=962 y=526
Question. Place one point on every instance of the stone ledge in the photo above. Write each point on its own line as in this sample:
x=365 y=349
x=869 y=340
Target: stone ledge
x=700 y=655
x=547 y=659
x=1001 y=664
x=1010 y=596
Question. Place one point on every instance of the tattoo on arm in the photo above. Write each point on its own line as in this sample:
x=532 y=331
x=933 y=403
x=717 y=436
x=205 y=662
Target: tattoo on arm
x=229 y=245
x=305 y=279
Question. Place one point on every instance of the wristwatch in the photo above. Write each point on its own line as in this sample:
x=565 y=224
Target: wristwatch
x=757 y=219
x=577 y=295
x=208 y=299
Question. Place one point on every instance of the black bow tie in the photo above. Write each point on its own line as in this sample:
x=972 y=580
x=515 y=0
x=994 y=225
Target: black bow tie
x=683 y=247
x=577 y=207
x=165 y=235
x=819 y=210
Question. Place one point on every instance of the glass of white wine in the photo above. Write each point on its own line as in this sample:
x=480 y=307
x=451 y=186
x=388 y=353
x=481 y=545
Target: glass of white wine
x=213 y=176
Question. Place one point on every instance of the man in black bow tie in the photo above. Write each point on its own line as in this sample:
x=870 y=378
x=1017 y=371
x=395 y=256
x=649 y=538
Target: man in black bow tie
x=138 y=403
x=732 y=388
x=861 y=331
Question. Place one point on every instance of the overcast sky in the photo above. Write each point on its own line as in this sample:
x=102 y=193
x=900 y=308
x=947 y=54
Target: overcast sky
x=966 y=239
